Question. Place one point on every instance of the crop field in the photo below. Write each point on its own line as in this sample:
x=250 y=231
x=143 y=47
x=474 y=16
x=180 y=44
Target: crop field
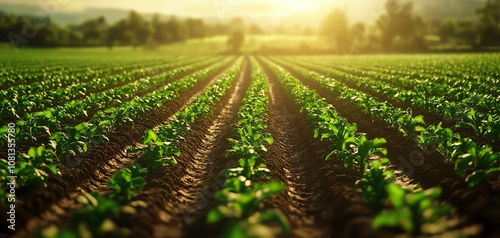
x=116 y=144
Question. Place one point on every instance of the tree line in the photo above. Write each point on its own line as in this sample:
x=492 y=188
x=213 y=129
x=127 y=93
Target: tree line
x=396 y=29
x=135 y=30
x=399 y=29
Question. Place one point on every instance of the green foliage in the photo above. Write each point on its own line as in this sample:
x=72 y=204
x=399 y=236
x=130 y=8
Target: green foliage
x=450 y=144
x=39 y=123
x=159 y=153
x=161 y=147
x=77 y=139
x=411 y=210
x=241 y=201
x=409 y=125
x=96 y=219
x=35 y=167
x=239 y=206
x=375 y=181
x=477 y=162
x=127 y=182
x=365 y=148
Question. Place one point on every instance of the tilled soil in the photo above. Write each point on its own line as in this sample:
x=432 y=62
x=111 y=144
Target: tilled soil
x=93 y=169
x=321 y=198
x=478 y=205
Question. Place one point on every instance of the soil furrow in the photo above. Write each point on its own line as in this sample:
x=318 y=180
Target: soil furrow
x=182 y=194
x=426 y=168
x=94 y=167
x=431 y=118
x=321 y=199
x=44 y=139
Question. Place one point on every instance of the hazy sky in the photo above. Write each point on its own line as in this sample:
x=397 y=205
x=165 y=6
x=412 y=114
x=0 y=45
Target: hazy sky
x=302 y=12
x=205 y=8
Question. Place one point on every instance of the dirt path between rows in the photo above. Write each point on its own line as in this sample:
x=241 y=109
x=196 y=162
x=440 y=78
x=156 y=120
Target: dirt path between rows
x=431 y=118
x=180 y=196
x=478 y=205
x=92 y=170
x=321 y=199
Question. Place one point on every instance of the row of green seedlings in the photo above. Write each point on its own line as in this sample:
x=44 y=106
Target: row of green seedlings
x=463 y=114
x=398 y=207
x=484 y=66
x=51 y=72
x=27 y=101
x=90 y=78
x=35 y=167
x=463 y=88
x=36 y=124
x=100 y=216
x=240 y=210
x=452 y=88
x=159 y=148
x=471 y=161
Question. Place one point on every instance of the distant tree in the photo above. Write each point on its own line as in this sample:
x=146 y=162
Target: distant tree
x=360 y=39
x=467 y=32
x=447 y=29
x=178 y=30
x=399 y=28
x=93 y=31
x=490 y=23
x=235 y=41
x=75 y=37
x=255 y=29
x=161 y=33
x=196 y=28
x=144 y=32
x=335 y=28
x=120 y=34
x=45 y=37
x=134 y=23
x=237 y=23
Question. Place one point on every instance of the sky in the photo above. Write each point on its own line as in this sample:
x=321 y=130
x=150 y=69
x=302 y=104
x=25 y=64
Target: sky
x=204 y=8
x=290 y=12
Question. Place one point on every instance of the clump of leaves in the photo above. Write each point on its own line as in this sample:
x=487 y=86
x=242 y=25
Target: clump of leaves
x=127 y=182
x=240 y=207
x=411 y=210
x=95 y=219
x=375 y=181
x=159 y=152
x=409 y=125
x=35 y=167
x=365 y=148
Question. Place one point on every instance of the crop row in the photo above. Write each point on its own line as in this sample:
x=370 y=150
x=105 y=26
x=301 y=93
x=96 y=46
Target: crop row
x=485 y=125
x=34 y=169
x=15 y=72
x=60 y=80
x=34 y=125
x=20 y=102
x=470 y=160
x=477 y=68
x=406 y=209
x=159 y=147
x=241 y=201
x=454 y=87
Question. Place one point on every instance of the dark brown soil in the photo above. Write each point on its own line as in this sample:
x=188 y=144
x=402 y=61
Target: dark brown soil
x=95 y=168
x=478 y=204
x=321 y=199
x=431 y=118
x=180 y=196
x=82 y=117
